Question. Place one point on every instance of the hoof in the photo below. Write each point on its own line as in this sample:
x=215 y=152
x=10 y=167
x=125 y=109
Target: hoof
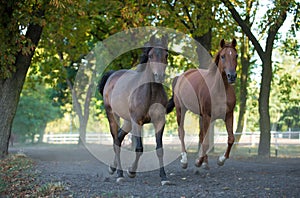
x=205 y=166
x=111 y=170
x=220 y=163
x=120 y=179
x=184 y=165
x=221 y=160
x=131 y=174
x=197 y=163
x=165 y=183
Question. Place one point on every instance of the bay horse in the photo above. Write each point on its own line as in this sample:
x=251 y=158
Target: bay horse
x=138 y=97
x=210 y=94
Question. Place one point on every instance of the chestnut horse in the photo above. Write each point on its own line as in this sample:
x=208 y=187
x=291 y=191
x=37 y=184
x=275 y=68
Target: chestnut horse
x=208 y=93
x=138 y=97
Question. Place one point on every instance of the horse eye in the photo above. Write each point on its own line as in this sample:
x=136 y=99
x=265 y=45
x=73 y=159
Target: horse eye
x=237 y=56
x=223 y=56
x=151 y=56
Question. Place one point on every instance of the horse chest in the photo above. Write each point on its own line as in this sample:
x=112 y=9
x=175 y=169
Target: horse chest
x=147 y=102
x=221 y=105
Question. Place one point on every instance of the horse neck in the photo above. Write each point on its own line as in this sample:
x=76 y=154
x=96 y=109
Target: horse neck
x=144 y=78
x=224 y=77
x=219 y=79
x=147 y=75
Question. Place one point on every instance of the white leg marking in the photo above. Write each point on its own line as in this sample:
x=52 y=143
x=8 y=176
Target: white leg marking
x=183 y=158
x=164 y=183
x=111 y=170
x=205 y=166
x=221 y=160
x=130 y=174
x=120 y=179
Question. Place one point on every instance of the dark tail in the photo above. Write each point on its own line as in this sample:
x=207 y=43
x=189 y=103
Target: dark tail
x=171 y=104
x=103 y=80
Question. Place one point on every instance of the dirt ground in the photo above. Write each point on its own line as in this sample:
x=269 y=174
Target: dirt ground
x=85 y=176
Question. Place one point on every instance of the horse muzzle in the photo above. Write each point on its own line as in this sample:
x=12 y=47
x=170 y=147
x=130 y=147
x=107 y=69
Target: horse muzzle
x=159 y=78
x=231 y=77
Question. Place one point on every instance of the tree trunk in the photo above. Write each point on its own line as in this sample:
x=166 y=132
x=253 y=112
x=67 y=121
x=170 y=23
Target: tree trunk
x=266 y=57
x=264 y=119
x=82 y=105
x=205 y=40
x=10 y=89
x=245 y=61
x=42 y=132
x=204 y=51
x=82 y=131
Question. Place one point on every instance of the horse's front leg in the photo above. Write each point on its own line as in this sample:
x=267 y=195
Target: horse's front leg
x=230 y=141
x=157 y=114
x=204 y=142
x=160 y=155
x=136 y=132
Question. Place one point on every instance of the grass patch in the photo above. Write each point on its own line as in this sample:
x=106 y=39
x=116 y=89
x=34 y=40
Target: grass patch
x=50 y=188
x=18 y=179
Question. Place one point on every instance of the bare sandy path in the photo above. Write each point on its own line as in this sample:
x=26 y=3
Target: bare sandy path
x=84 y=176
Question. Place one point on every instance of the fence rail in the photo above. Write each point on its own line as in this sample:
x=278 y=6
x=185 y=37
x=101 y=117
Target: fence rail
x=283 y=144
x=247 y=138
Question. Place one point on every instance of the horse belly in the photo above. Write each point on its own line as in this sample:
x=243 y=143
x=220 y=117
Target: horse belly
x=188 y=97
x=119 y=101
x=219 y=111
x=120 y=108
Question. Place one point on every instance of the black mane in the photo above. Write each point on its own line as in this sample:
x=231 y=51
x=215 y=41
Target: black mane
x=153 y=43
x=144 y=56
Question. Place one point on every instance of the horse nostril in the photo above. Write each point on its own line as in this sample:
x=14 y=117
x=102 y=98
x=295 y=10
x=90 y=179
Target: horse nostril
x=231 y=77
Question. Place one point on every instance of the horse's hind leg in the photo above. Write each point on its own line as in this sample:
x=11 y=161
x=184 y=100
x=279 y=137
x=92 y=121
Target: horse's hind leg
x=229 y=127
x=180 y=113
x=136 y=132
x=124 y=130
x=157 y=114
x=114 y=125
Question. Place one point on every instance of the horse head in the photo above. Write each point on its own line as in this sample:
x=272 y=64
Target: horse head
x=227 y=60
x=157 y=57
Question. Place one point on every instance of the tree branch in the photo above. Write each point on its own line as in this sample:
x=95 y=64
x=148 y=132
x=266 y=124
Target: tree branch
x=189 y=16
x=274 y=29
x=245 y=28
x=182 y=21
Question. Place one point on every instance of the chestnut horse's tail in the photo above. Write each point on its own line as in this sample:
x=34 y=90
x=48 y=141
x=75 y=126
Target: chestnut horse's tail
x=103 y=81
x=171 y=104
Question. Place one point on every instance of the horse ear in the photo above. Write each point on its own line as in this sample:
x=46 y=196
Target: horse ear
x=222 y=43
x=152 y=40
x=233 y=43
x=165 y=40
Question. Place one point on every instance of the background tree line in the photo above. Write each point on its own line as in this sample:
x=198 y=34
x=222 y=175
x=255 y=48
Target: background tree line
x=45 y=42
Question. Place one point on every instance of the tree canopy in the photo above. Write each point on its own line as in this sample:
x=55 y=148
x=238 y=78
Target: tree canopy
x=46 y=41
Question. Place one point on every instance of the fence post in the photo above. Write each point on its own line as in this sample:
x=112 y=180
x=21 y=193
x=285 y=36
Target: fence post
x=276 y=144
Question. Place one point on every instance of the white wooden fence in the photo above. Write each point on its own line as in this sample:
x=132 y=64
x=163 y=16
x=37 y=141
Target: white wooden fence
x=247 y=138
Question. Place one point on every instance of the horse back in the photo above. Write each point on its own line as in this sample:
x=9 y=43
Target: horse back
x=115 y=96
x=197 y=90
x=190 y=90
